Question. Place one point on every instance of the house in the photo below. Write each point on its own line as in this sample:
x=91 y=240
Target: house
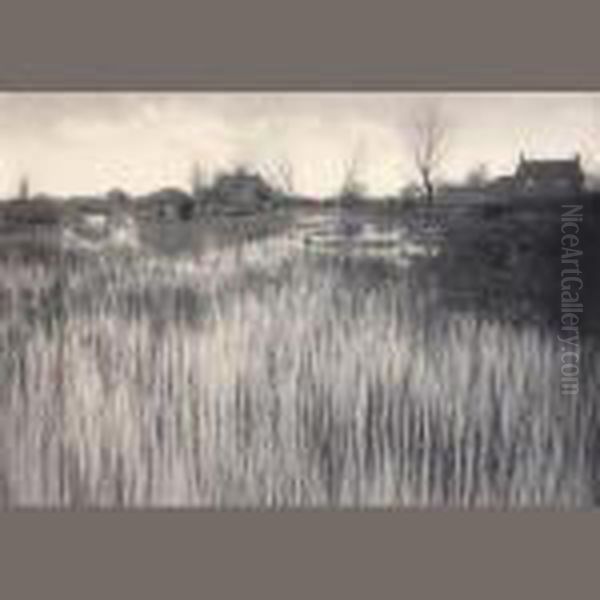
x=170 y=204
x=242 y=189
x=544 y=178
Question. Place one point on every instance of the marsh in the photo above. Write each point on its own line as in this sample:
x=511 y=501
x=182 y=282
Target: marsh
x=229 y=362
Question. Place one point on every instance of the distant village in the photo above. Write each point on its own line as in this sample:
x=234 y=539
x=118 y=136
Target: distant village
x=244 y=192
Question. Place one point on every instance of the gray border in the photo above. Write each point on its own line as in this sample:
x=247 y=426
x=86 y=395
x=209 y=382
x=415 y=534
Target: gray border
x=277 y=44
x=295 y=554
x=286 y=44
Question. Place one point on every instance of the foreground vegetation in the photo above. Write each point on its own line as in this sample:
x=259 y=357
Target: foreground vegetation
x=260 y=372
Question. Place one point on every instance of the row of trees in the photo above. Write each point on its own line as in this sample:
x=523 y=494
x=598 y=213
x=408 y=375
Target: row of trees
x=426 y=135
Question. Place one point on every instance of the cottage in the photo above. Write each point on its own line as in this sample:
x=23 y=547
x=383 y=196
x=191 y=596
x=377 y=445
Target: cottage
x=537 y=178
x=242 y=189
x=170 y=204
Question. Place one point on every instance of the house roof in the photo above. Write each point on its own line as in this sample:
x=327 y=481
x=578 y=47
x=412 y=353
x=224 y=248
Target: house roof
x=168 y=195
x=241 y=186
x=550 y=169
x=240 y=179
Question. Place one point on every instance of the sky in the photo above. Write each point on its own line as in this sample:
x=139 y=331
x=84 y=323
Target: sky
x=89 y=143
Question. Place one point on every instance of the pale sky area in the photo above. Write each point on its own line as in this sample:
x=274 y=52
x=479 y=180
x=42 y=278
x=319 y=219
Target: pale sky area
x=84 y=143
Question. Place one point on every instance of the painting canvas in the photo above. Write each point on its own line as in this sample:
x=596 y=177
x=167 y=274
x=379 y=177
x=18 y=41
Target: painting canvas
x=298 y=300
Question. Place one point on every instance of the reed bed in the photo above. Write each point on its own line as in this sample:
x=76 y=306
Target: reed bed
x=263 y=375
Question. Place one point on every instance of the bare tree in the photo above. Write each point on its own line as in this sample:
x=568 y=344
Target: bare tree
x=352 y=188
x=427 y=139
x=24 y=188
x=280 y=173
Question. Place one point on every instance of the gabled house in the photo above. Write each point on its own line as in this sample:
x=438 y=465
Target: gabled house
x=537 y=178
x=242 y=189
x=169 y=204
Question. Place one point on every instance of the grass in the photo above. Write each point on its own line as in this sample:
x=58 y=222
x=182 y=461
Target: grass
x=261 y=374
